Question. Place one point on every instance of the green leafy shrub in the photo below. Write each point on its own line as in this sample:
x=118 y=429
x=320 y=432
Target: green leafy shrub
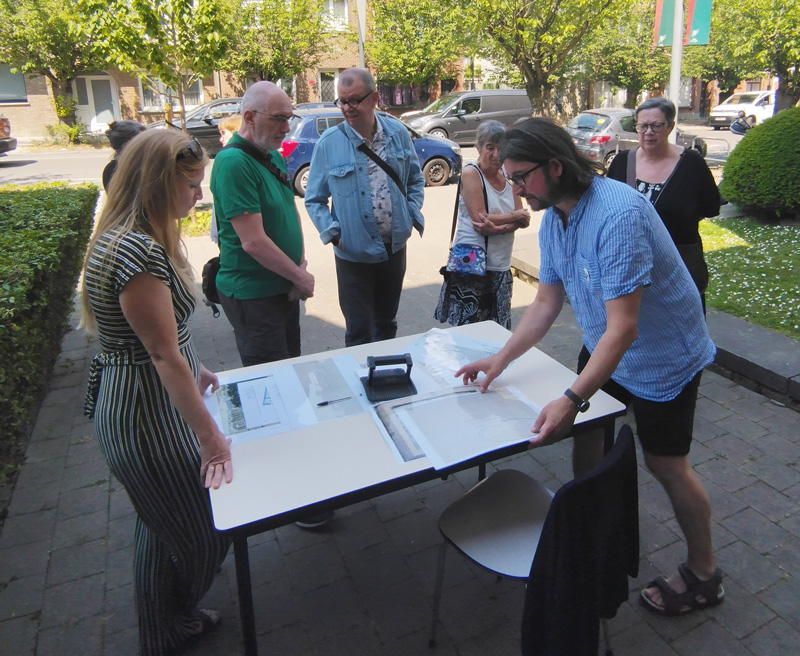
x=68 y=134
x=762 y=174
x=197 y=226
x=44 y=230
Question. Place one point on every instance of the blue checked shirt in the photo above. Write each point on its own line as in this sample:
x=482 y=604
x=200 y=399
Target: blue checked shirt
x=615 y=242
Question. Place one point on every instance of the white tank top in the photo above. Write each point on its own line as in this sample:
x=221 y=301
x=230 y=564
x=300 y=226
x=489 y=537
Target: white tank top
x=498 y=257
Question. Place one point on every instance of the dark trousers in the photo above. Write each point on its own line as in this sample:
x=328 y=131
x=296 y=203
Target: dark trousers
x=266 y=329
x=369 y=295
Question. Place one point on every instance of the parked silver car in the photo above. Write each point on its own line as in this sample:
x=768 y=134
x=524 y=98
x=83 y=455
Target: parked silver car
x=601 y=133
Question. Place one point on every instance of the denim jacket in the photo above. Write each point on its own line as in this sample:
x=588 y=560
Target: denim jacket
x=339 y=171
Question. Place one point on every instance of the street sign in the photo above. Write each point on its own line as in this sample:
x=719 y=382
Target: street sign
x=698 y=22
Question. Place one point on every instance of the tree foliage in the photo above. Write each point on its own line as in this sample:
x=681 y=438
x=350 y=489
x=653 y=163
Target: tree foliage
x=767 y=33
x=276 y=39
x=622 y=53
x=36 y=40
x=719 y=60
x=537 y=36
x=414 y=41
x=175 y=41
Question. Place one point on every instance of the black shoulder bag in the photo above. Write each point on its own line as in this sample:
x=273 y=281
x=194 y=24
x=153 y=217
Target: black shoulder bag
x=364 y=148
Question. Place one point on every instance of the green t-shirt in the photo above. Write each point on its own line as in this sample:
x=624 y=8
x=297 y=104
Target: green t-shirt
x=240 y=185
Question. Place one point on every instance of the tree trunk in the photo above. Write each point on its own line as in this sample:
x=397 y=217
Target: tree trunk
x=631 y=96
x=64 y=101
x=786 y=96
x=539 y=94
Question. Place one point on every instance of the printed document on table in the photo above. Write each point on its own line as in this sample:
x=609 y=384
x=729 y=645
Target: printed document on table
x=454 y=425
x=250 y=405
x=440 y=353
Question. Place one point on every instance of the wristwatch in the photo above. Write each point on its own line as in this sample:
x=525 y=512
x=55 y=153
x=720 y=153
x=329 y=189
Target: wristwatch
x=581 y=404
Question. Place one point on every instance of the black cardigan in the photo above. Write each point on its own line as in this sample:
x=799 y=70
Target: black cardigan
x=690 y=195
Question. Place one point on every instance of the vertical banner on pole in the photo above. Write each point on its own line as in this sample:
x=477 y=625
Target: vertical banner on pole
x=662 y=34
x=698 y=22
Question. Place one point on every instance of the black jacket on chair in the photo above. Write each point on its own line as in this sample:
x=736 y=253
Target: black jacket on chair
x=589 y=547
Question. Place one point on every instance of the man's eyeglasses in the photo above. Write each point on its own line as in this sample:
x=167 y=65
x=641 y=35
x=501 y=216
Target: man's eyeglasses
x=353 y=102
x=641 y=128
x=194 y=149
x=279 y=118
x=519 y=178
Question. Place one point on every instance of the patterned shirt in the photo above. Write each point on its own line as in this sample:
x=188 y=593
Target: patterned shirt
x=613 y=244
x=379 y=184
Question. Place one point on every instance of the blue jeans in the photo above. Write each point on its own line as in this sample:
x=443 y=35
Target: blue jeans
x=369 y=295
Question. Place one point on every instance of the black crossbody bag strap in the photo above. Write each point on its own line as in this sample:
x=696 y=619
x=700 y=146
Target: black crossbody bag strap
x=455 y=209
x=380 y=162
x=265 y=161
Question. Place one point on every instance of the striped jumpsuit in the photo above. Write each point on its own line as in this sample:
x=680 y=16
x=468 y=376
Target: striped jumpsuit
x=151 y=450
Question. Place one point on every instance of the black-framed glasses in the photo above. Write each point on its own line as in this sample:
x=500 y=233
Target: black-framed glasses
x=279 y=118
x=353 y=102
x=519 y=178
x=194 y=149
x=641 y=128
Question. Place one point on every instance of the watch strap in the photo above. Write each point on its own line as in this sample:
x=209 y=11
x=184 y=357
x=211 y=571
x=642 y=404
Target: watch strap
x=581 y=404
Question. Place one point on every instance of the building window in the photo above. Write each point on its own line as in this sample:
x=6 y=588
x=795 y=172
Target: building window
x=396 y=95
x=80 y=91
x=12 y=85
x=154 y=94
x=328 y=81
x=336 y=14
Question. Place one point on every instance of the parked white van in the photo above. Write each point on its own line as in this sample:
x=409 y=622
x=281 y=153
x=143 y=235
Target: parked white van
x=756 y=105
x=457 y=116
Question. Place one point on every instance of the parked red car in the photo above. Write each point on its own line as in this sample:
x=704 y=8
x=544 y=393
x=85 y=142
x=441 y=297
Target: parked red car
x=7 y=142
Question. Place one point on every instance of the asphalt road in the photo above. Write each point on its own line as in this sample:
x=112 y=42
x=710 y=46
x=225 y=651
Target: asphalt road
x=29 y=166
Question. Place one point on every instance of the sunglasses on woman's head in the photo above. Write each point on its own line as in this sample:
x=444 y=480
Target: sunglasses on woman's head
x=194 y=149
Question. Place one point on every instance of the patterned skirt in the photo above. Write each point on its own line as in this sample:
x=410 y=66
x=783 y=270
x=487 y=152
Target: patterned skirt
x=469 y=299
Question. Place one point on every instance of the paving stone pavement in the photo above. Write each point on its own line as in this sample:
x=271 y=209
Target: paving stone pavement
x=363 y=585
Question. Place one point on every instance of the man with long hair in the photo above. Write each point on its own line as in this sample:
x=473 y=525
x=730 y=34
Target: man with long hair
x=645 y=338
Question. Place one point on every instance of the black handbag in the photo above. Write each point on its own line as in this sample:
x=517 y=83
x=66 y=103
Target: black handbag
x=210 y=293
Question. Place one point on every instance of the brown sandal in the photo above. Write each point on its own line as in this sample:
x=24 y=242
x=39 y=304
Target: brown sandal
x=699 y=594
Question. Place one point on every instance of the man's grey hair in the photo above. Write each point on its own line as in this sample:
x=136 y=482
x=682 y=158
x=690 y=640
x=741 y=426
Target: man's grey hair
x=666 y=107
x=350 y=75
x=491 y=132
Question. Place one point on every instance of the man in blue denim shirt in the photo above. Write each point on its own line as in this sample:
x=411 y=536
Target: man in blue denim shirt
x=370 y=218
x=645 y=338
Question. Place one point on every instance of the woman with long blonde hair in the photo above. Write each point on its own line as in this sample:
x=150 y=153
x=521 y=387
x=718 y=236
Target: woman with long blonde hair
x=146 y=385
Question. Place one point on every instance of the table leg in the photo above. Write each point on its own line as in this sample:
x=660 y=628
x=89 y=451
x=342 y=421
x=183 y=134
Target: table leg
x=245 y=588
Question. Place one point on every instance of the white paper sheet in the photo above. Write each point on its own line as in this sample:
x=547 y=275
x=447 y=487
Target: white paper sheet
x=248 y=407
x=454 y=425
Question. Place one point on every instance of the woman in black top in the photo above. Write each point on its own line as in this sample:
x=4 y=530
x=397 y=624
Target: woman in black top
x=119 y=133
x=676 y=180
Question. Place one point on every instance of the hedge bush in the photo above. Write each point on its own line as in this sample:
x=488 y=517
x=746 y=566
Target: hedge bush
x=44 y=230
x=762 y=174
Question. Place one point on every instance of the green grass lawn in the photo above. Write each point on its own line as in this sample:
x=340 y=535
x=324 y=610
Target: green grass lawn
x=754 y=272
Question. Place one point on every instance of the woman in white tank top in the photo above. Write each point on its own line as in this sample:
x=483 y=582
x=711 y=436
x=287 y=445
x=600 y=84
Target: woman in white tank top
x=469 y=298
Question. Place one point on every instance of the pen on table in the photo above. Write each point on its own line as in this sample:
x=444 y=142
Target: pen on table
x=344 y=398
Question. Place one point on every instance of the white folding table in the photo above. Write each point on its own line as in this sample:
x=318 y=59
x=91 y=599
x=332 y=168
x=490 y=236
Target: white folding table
x=278 y=479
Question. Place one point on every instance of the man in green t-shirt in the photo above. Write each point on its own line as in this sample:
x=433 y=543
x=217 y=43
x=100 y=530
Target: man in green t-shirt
x=262 y=275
